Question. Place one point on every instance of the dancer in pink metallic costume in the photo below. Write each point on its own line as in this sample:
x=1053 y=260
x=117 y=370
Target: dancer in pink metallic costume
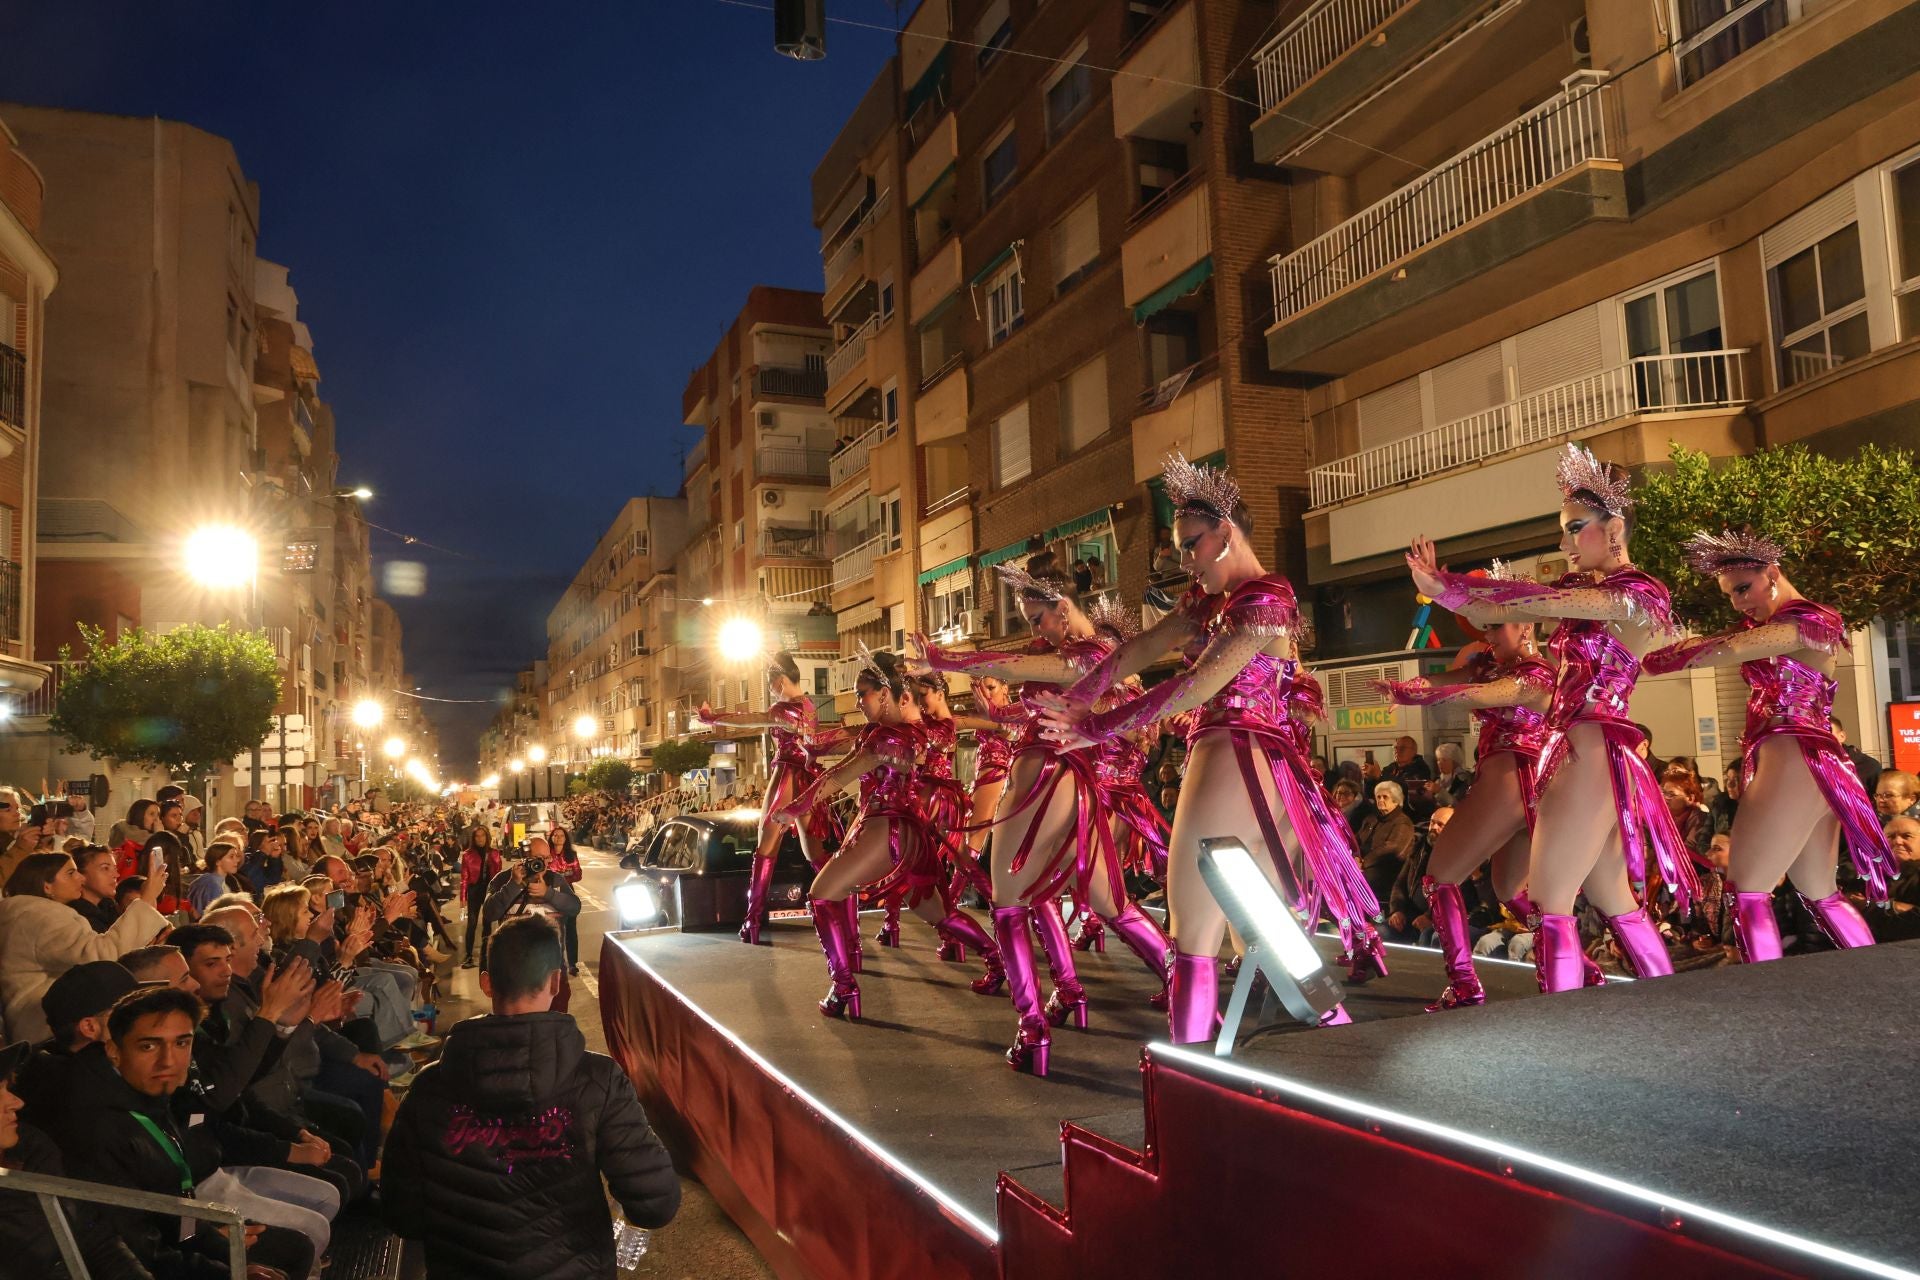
x=1801 y=792
x=793 y=728
x=1245 y=772
x=1599 y=806
x=992 y=765
x=1509 y=687
x=1052 y=834
x=889 y=843
x=946 y=802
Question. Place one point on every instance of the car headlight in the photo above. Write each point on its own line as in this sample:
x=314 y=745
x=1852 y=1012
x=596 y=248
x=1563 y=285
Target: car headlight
x=636 y=904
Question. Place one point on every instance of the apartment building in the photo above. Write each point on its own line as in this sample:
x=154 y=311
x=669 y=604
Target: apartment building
x=1626 y=225
x=27 y=276
x=1080 y=242
x=516 y=726
x=756 y=487
x=602 y=687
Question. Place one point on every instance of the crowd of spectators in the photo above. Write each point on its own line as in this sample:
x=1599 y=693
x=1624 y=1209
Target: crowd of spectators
x=236 y=1015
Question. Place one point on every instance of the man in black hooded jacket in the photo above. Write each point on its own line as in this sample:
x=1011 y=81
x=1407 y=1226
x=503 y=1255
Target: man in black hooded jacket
x=496 y=1157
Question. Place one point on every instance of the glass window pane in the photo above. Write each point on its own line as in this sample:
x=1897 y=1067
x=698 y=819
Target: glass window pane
x=1906 y=220
x=1643 y=326
x=1842 y=279
x=1848 y=340
x=1693 y=315
x=1909 y=304
x=1803 y=360
x=1796 y=283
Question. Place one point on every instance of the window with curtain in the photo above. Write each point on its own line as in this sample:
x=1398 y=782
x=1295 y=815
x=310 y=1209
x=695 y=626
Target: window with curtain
x=1083 y=406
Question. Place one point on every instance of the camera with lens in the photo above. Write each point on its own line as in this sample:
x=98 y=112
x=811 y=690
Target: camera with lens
x=536 y=866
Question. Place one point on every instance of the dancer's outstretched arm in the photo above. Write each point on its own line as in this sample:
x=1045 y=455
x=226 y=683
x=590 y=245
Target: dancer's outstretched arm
x=1730 y=648
x=1174 y=631
x=1072 y=725
x=830 y=783
x=1508 y=691
x=1014 y=668
x=781 y=715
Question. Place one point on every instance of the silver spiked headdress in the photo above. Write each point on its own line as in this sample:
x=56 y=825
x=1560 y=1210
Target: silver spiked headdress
x=1024 y=583
x=871 y=665
x=1110 y=614
x=1209 y=491
x=1580 y=472
x=1711 y=554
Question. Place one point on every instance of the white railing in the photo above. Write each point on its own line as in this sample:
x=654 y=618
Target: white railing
x=1648 y=384
x=852 y=460
x=841 y=362
x=1566 y=131
x=841 y=260
x=790 y=460
x=1315 y=41
x=843 y=673
x=851 y=566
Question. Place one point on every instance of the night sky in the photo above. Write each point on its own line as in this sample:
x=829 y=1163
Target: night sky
x=514 y=230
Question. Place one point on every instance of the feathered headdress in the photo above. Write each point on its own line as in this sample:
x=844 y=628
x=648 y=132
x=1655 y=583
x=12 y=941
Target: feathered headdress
x=1024 y=583
x=1207 y=490
x=1110 y=614
x=871 y=666
x=1580 y=473
x=1711 y=554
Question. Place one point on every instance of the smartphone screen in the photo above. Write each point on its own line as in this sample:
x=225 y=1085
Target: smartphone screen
x=336 y=900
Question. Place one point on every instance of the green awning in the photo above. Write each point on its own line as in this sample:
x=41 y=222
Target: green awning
x=1092 y=519
x=937 y=310
x=1174 y=290
x=941 y=571
x=1005 y=553
x=994 y=266
x=929 y=83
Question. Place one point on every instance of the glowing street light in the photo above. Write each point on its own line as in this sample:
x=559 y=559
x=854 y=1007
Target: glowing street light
x=221 y=556
x=536 y=754
x=585 y=726
x=395 y=747
x=367 y=713
x=491 y=780
x=741 y=639
x=358 y=491
x=516 y=765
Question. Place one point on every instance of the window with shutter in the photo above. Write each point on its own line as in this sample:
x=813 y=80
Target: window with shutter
x=1472 y=384
x=1076 y=242
x=992 y=32
x=1083 y=406
x=1391 y=413
x=1012 y=448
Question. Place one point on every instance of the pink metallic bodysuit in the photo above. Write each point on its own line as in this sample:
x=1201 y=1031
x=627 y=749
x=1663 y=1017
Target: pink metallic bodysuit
x=1120 y=768
x=1790 y=699
x=994 y=758
x=890 y=793
x=1596 y=680
x=794 y=751
x=1517 y=731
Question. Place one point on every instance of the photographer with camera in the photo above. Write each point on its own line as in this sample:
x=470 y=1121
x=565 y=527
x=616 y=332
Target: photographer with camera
x=532 y=887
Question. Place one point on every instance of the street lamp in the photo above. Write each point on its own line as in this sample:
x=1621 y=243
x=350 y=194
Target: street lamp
x=741 y=639
x=585 y=726
x=516 y=766
x=222 y=556
x=394 y=747
x=536 y=754
x=367 y=714
x=358 y=491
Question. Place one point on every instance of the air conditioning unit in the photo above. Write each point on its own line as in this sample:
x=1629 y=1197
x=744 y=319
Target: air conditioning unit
x=770 y=497
x=970 y=621
x=1580 y=42
x=767 y=419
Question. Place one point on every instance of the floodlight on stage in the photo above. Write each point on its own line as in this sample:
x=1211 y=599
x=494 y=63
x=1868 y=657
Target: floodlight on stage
x=1277 y=943
x=637 y=904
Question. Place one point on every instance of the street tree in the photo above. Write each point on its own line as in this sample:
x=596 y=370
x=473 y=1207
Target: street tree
x=183 y=700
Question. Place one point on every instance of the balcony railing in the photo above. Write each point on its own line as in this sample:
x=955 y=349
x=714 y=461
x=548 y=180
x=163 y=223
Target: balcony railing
x=947 y=503
x=776 y=380
x=853 y=566
x=1648 y=384
x=697 y=456
x=9 y=600
x=45 y=700
x=1566 y=131
x=784 y=460
x=1315 y=41
x=797 y=540
x=843 y=258
x=852 y=460
x=13 y=387
x=841 y=362
x=844 y=672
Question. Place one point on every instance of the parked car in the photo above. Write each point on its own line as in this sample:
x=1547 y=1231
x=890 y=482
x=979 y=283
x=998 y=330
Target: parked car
x=693 y=871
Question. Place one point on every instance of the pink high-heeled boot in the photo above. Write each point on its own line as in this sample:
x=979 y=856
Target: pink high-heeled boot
x=1449 y=913
x=1068 y=1002
x=1012 y=929
x=830 y=922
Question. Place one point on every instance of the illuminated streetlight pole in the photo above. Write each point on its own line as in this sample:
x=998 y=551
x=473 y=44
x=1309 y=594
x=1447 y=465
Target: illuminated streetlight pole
x=221 y=557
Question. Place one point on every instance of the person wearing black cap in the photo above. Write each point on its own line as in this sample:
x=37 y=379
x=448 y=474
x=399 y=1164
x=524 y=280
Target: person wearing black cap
x=27 y=1247
x=76 y=1007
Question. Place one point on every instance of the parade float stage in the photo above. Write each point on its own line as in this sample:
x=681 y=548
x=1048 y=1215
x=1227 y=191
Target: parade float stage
x=1743 y=1121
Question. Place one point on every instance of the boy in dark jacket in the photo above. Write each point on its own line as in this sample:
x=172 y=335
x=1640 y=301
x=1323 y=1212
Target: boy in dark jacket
x=496 y=1156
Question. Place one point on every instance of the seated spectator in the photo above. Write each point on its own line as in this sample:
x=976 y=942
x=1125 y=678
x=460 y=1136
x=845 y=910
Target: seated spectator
x=76 y=1008
x=26 y=1245
x=1346 y=797
x=220 y=873
x=1406 y=905
x=1896 y=795
x=1863 y=764
x=1900 y=918
x=1407 y=765
x=1451 y=780
x=132 y=1139
x=1684 y=802
x=127 y=890
x=1166 y=557
x=99 y=869
x=128 y=838
x=162 y=964
x=42 y=936
x=1386 y=839
x=1726 y=804
x=81 y=823
x=528 y=1200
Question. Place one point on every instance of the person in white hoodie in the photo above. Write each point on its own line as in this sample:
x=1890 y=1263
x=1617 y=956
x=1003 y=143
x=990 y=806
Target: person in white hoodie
x=42 y=936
